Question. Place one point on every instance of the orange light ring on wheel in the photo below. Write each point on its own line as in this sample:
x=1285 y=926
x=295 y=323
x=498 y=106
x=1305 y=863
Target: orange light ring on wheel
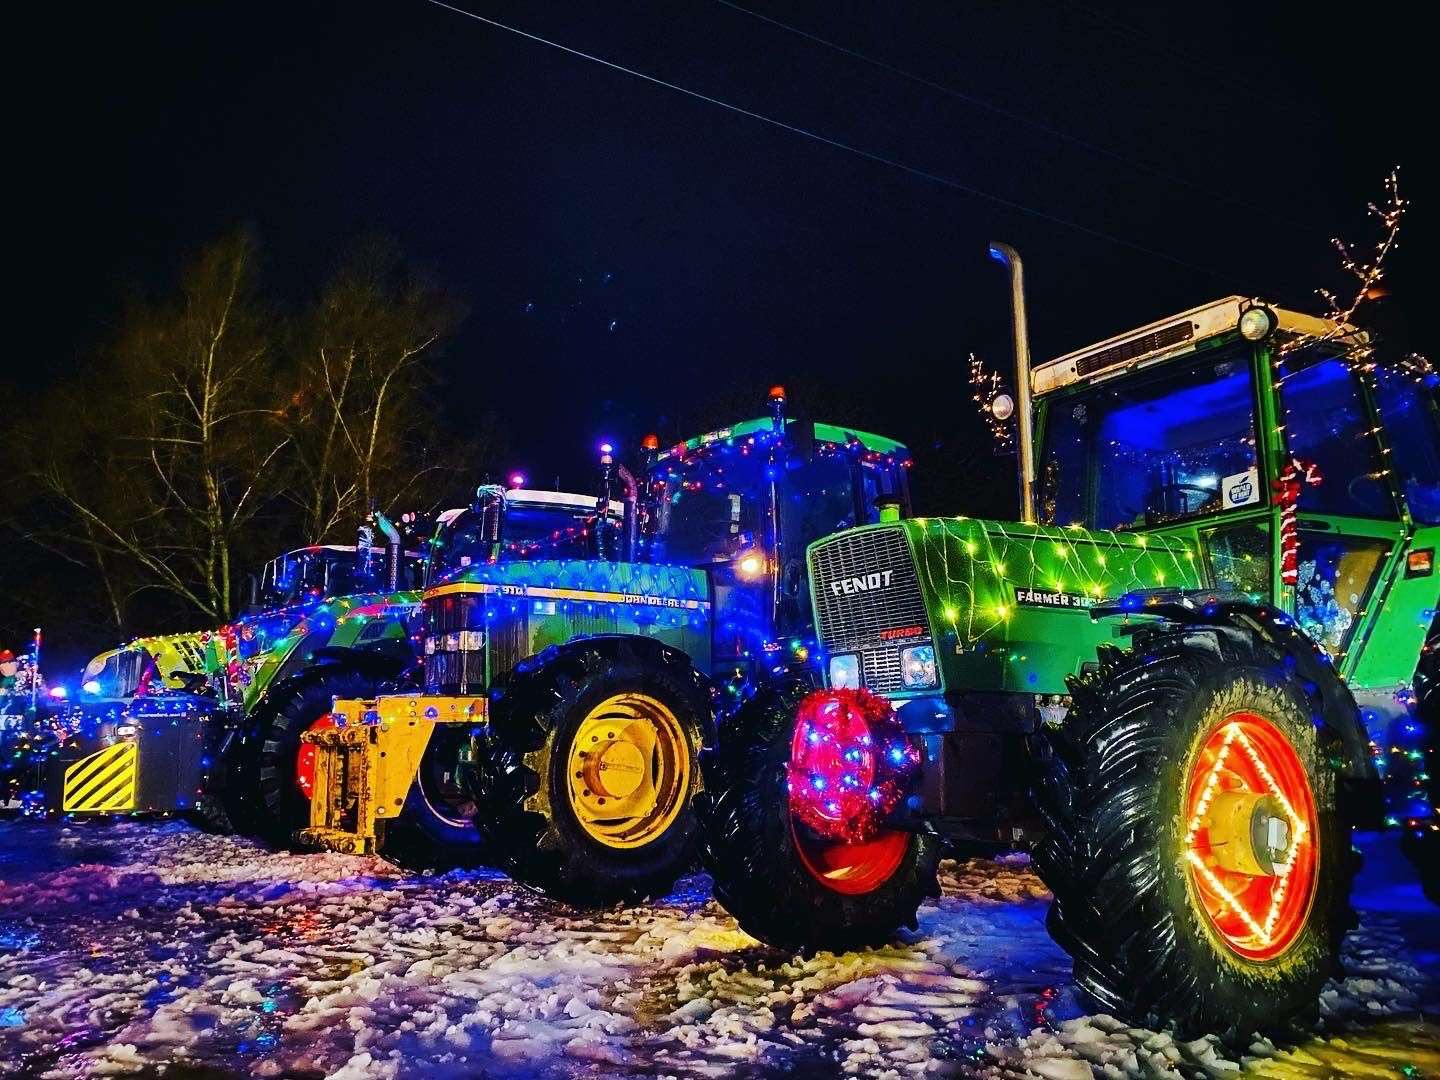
x=850 y=869
x=1258 y=917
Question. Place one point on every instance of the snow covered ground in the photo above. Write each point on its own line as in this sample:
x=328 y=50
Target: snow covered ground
x=154 y=949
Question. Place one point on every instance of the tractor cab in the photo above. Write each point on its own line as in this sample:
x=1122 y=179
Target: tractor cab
x=310 y=573
x=1301 y=461
x=744 y=503
x=517 y=524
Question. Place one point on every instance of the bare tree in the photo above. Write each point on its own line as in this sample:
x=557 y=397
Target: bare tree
x=361 y=415
x=178 y=441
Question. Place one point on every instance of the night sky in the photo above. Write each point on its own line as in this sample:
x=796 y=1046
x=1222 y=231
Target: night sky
x=636 y=259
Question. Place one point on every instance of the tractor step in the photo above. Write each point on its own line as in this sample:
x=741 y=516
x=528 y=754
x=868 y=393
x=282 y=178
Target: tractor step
x=366 y=761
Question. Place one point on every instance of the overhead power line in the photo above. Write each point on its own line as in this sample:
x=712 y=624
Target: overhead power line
x=879 y=159
x=1019 y=118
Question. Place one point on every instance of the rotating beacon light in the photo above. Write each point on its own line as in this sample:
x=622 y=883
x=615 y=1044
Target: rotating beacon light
x=777 y=408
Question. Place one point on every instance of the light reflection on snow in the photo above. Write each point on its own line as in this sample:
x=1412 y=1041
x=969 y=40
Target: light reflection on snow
x=168 y=945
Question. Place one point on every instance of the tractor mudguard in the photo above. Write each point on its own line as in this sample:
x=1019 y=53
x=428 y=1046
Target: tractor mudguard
x=615 y=647
x=1360 y=793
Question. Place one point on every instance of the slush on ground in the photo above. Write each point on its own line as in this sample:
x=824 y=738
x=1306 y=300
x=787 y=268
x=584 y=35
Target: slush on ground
x=158 y=950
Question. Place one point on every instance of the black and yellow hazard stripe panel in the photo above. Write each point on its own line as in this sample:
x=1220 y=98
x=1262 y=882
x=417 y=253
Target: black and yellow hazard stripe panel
x=104 y=782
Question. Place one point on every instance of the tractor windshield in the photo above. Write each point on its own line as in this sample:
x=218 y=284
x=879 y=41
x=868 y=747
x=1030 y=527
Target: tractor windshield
x=1153 y=448
x=533 y=529
x=315 y=572
x=116 y=674
x=713 y=507
x=710 y=507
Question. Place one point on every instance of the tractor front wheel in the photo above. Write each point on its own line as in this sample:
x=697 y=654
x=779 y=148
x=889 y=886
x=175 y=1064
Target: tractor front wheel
x=584 y=786
x=1200 y=864
x=773 y=836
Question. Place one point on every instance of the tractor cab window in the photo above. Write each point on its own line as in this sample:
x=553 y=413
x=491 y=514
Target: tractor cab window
x=1411 y=415
x=817 y=498
x=1153 y=448
x=711 y=507
x=881 y=480
x=311 y=573
x=545 y=532
x=1327 y=426
x=530 y=531
x=117 y=674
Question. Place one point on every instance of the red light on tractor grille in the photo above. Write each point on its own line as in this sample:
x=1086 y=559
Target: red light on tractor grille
x=902 y=632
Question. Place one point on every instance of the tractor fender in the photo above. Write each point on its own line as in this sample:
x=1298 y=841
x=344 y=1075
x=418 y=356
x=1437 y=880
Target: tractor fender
x=614 y=647
x=1360 y=785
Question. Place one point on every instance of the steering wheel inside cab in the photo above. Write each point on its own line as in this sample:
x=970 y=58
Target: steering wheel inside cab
x=1170 y=502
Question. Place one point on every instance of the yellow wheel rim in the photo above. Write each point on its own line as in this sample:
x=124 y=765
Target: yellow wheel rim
x=628 y=771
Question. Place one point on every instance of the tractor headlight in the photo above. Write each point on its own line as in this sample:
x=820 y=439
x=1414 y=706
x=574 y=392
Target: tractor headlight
x=751 y=566
x=917 y=667
x=845 y=672
x=1256 y=323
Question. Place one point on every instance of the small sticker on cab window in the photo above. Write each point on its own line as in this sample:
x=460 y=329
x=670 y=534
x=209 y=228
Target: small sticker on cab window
x=1240 y=489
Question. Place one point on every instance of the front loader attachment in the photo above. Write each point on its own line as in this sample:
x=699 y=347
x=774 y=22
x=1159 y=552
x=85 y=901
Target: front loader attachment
x=365 y=761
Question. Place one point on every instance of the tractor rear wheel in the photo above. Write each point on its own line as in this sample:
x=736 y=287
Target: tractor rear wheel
x=785 y=883
x=584 y=786
x=1200 y=864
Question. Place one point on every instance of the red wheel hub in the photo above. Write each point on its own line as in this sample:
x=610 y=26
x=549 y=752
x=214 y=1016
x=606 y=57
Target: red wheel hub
x=850 y=765
x=305 y=757
x=1250 y=837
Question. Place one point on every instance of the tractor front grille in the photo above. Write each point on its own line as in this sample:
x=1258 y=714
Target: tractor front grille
x=868 y=601
x=454 y=643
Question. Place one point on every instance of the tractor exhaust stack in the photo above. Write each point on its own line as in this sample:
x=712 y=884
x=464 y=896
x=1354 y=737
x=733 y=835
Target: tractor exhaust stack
x=1008 y=257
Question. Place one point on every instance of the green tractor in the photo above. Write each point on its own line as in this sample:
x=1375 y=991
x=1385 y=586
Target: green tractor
x=352 y=644
x=564 y=700
x=147 y=723
x=1151 y=682
x=187 y=722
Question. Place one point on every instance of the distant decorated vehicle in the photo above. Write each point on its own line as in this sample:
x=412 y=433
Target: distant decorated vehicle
x=143 y=729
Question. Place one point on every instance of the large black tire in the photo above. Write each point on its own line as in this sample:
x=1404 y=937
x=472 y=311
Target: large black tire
x=750 y=848
x=261 y=793
x=524 y=812
x=1144 y=950
x=209 y=815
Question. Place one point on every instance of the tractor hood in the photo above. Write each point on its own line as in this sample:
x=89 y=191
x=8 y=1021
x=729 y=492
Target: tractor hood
x=1005 y=606
x=486 y=619
x=569 y=582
